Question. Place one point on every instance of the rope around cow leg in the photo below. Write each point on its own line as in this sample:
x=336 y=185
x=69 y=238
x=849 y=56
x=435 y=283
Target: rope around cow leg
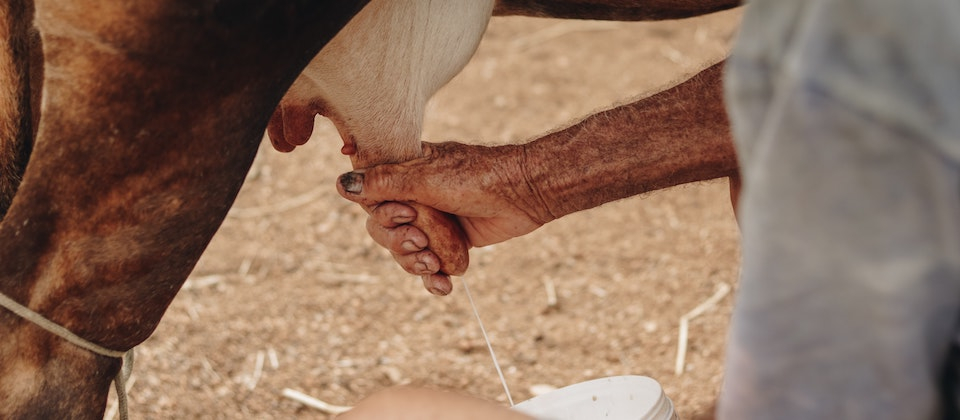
x=126 y=358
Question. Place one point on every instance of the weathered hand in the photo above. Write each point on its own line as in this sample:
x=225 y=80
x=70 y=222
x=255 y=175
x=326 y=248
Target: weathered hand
x=677 y=136
x=484 y=187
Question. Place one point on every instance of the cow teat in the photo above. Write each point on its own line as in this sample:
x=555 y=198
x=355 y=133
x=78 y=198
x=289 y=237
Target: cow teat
x=375 y=77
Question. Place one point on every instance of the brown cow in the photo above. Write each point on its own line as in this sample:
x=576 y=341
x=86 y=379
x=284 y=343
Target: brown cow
x=151 y=116
x=21 y=62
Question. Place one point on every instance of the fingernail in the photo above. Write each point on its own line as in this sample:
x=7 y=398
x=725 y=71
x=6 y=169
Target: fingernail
x=439 y=286
x=410 y=246
x=420 y=268
x=402 y=220
x=352 y=182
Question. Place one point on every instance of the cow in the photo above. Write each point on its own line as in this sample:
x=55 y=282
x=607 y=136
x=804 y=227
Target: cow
x=149 y=118
x=22 y=63
x=151 y=115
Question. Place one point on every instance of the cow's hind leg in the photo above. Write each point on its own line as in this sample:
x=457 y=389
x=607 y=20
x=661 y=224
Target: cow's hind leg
x=153 y=113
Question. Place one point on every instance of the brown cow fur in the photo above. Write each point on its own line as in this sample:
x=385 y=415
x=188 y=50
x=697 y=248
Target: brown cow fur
x=153 y=113
x=21 y=70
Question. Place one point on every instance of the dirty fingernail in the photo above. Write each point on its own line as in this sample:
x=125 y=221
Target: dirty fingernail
x=352 y=182
x=410 y=246
x=402 y=220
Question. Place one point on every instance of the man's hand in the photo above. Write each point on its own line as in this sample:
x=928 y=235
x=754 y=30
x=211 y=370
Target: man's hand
x=676 y=136
x=484 y=186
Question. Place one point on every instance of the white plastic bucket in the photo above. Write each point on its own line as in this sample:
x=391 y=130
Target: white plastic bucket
x=614 y=398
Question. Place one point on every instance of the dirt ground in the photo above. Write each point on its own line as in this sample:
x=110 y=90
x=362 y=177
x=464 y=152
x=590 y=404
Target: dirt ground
x=293 y=294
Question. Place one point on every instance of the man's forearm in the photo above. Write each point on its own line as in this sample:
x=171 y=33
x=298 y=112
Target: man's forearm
x=677 y=136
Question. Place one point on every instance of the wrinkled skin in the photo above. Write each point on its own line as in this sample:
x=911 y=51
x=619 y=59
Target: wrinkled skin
x=503 y=192
x=704 y=115
x=484 y=186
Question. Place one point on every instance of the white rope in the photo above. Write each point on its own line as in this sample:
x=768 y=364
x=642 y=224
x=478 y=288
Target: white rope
x=126 y=357
x=487 y=339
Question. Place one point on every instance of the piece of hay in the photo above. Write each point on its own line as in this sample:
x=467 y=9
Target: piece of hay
x=257 y=371
x=314 y=403
x=708 y=304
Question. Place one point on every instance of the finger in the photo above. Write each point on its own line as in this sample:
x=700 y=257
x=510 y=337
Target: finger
x=392 y=214
x=365 y=186
x=402 y=240
x=409 y=263
x=388 y=182
x=438 y=284
x=350 y=186
x=446 y=238
x=419 y=263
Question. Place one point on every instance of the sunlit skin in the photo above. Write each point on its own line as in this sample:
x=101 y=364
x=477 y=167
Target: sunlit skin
x=408 y=403
x=674 y=137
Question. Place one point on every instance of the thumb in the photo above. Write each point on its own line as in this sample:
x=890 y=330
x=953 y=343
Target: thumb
x=375 y=185
x=419 y=180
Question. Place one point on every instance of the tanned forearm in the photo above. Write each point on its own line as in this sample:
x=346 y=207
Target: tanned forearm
x=622 y=10
x=677 y=136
